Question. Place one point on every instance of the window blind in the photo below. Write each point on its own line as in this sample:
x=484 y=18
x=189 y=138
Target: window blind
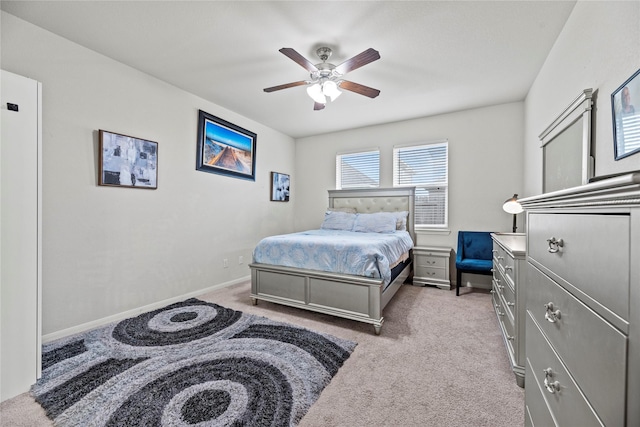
x=425 y=166
x=357 y=170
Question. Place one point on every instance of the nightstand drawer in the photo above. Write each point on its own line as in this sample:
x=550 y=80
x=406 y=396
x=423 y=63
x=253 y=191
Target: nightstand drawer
x=428 y=260
x=430 y=272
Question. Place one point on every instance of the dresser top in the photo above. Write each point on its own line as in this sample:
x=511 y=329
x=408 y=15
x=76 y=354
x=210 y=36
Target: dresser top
x=516 y=243
x=618 y=190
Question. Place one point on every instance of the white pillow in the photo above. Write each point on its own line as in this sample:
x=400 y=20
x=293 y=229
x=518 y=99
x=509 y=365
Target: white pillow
x=401 y=220
x=338 y=221
x=379 y=222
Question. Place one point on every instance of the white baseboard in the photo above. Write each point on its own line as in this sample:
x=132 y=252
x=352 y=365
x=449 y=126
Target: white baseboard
x=134 y=312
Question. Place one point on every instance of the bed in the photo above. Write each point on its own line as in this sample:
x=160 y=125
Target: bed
x=352 y=296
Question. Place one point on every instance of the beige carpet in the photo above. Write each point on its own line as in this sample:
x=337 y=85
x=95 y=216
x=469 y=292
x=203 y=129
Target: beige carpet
x=440 y=361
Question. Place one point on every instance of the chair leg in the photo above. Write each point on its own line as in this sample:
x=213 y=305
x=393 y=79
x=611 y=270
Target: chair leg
x=458 y=279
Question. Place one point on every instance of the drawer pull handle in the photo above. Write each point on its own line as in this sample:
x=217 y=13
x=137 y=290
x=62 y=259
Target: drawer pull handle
x=508 y=267
x=500 y=258
x=511 y=304
x=510 y=338
x=551 y=315
x=494 y=251
x=551 y=386
x=555 y=245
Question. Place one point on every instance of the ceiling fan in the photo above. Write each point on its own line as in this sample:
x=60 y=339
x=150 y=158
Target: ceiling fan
x=326 y=79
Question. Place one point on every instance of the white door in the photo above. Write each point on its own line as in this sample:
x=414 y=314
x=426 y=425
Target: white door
x=20 y=233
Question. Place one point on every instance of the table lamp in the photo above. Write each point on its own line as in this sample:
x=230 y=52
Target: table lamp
x=513 y=207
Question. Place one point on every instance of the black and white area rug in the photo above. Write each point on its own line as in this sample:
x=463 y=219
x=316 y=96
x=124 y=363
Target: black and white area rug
x=192 y=363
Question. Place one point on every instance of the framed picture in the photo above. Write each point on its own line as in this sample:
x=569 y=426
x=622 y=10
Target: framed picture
x=280 y=187
x=626 y=119
x=126 y=161
x=225 y=148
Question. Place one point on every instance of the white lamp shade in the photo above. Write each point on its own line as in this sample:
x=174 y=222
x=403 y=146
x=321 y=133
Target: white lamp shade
x=330 y=89
x=315 y=92
x=512 y=206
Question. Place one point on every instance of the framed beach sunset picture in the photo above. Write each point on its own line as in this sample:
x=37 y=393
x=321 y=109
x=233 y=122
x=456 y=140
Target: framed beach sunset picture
x=225 y=148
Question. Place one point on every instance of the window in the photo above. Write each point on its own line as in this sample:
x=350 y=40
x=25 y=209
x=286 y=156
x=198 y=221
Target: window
x=357 y=170
x=425 y=166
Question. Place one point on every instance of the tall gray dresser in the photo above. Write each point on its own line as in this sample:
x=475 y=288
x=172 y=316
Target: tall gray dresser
x=508 y=295
x=583 y=305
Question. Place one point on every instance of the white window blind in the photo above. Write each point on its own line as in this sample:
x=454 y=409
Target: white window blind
x=357 y=170
x=425 y=166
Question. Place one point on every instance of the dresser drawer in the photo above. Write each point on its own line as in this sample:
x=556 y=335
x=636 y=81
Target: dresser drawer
x=509 y=299
x=505 y=288
x=498 y=305
x=546 y=373
x=593 y=258
x=537 y=414
x=592 y=350
x=505 y=262
x=506 y=323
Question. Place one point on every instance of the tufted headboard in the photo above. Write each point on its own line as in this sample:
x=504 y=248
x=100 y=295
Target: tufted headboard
x=370 y=200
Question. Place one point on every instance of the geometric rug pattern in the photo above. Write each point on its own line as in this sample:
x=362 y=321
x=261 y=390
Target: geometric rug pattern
x=192 y=363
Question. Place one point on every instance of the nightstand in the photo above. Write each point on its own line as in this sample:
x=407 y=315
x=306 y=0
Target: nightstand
x=431 y=266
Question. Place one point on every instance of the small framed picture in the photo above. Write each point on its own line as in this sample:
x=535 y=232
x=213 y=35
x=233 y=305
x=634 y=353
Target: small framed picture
x=280 y=183
x=126 y=161
x=626 y=119
x=225 y=148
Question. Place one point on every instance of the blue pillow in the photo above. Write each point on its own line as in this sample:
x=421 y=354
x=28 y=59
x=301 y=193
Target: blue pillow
x=338 y=221
x=380 y=222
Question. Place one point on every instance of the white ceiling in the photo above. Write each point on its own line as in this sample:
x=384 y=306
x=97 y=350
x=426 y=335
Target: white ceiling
x=436 y=56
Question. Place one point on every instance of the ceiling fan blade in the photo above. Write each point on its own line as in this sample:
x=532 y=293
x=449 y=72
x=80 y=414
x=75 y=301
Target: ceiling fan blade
x=358 y=61
x=318 y=106
x=301 y=60
x=358 y=88
x=285 y=86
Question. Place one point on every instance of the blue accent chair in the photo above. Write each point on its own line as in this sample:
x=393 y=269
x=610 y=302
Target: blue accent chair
x=474 y=254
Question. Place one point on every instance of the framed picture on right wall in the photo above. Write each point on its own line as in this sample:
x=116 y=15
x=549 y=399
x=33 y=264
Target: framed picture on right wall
x=626 y=119
x=280 y=183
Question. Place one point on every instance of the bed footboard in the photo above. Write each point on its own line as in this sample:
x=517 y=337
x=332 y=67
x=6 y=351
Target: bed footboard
x=352 y=297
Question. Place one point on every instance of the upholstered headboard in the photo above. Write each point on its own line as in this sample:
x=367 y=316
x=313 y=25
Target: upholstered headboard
x=369 y=200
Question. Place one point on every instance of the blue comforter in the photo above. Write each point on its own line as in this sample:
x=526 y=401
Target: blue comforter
x=348 y=252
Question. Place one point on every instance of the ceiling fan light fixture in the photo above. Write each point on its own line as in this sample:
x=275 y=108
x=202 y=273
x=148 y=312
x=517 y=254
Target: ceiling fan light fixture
x=315 y=92
x=330 y=89
x=326 y=83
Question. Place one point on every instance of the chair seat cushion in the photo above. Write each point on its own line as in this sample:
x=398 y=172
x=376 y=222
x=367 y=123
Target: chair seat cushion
x=480 y=265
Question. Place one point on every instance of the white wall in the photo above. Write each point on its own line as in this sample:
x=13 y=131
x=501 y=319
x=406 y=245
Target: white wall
x=485 y=165
x=598 y=48
x=109 y=250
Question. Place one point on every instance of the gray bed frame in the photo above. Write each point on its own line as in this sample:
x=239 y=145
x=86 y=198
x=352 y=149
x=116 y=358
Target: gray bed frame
x=352 y=297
